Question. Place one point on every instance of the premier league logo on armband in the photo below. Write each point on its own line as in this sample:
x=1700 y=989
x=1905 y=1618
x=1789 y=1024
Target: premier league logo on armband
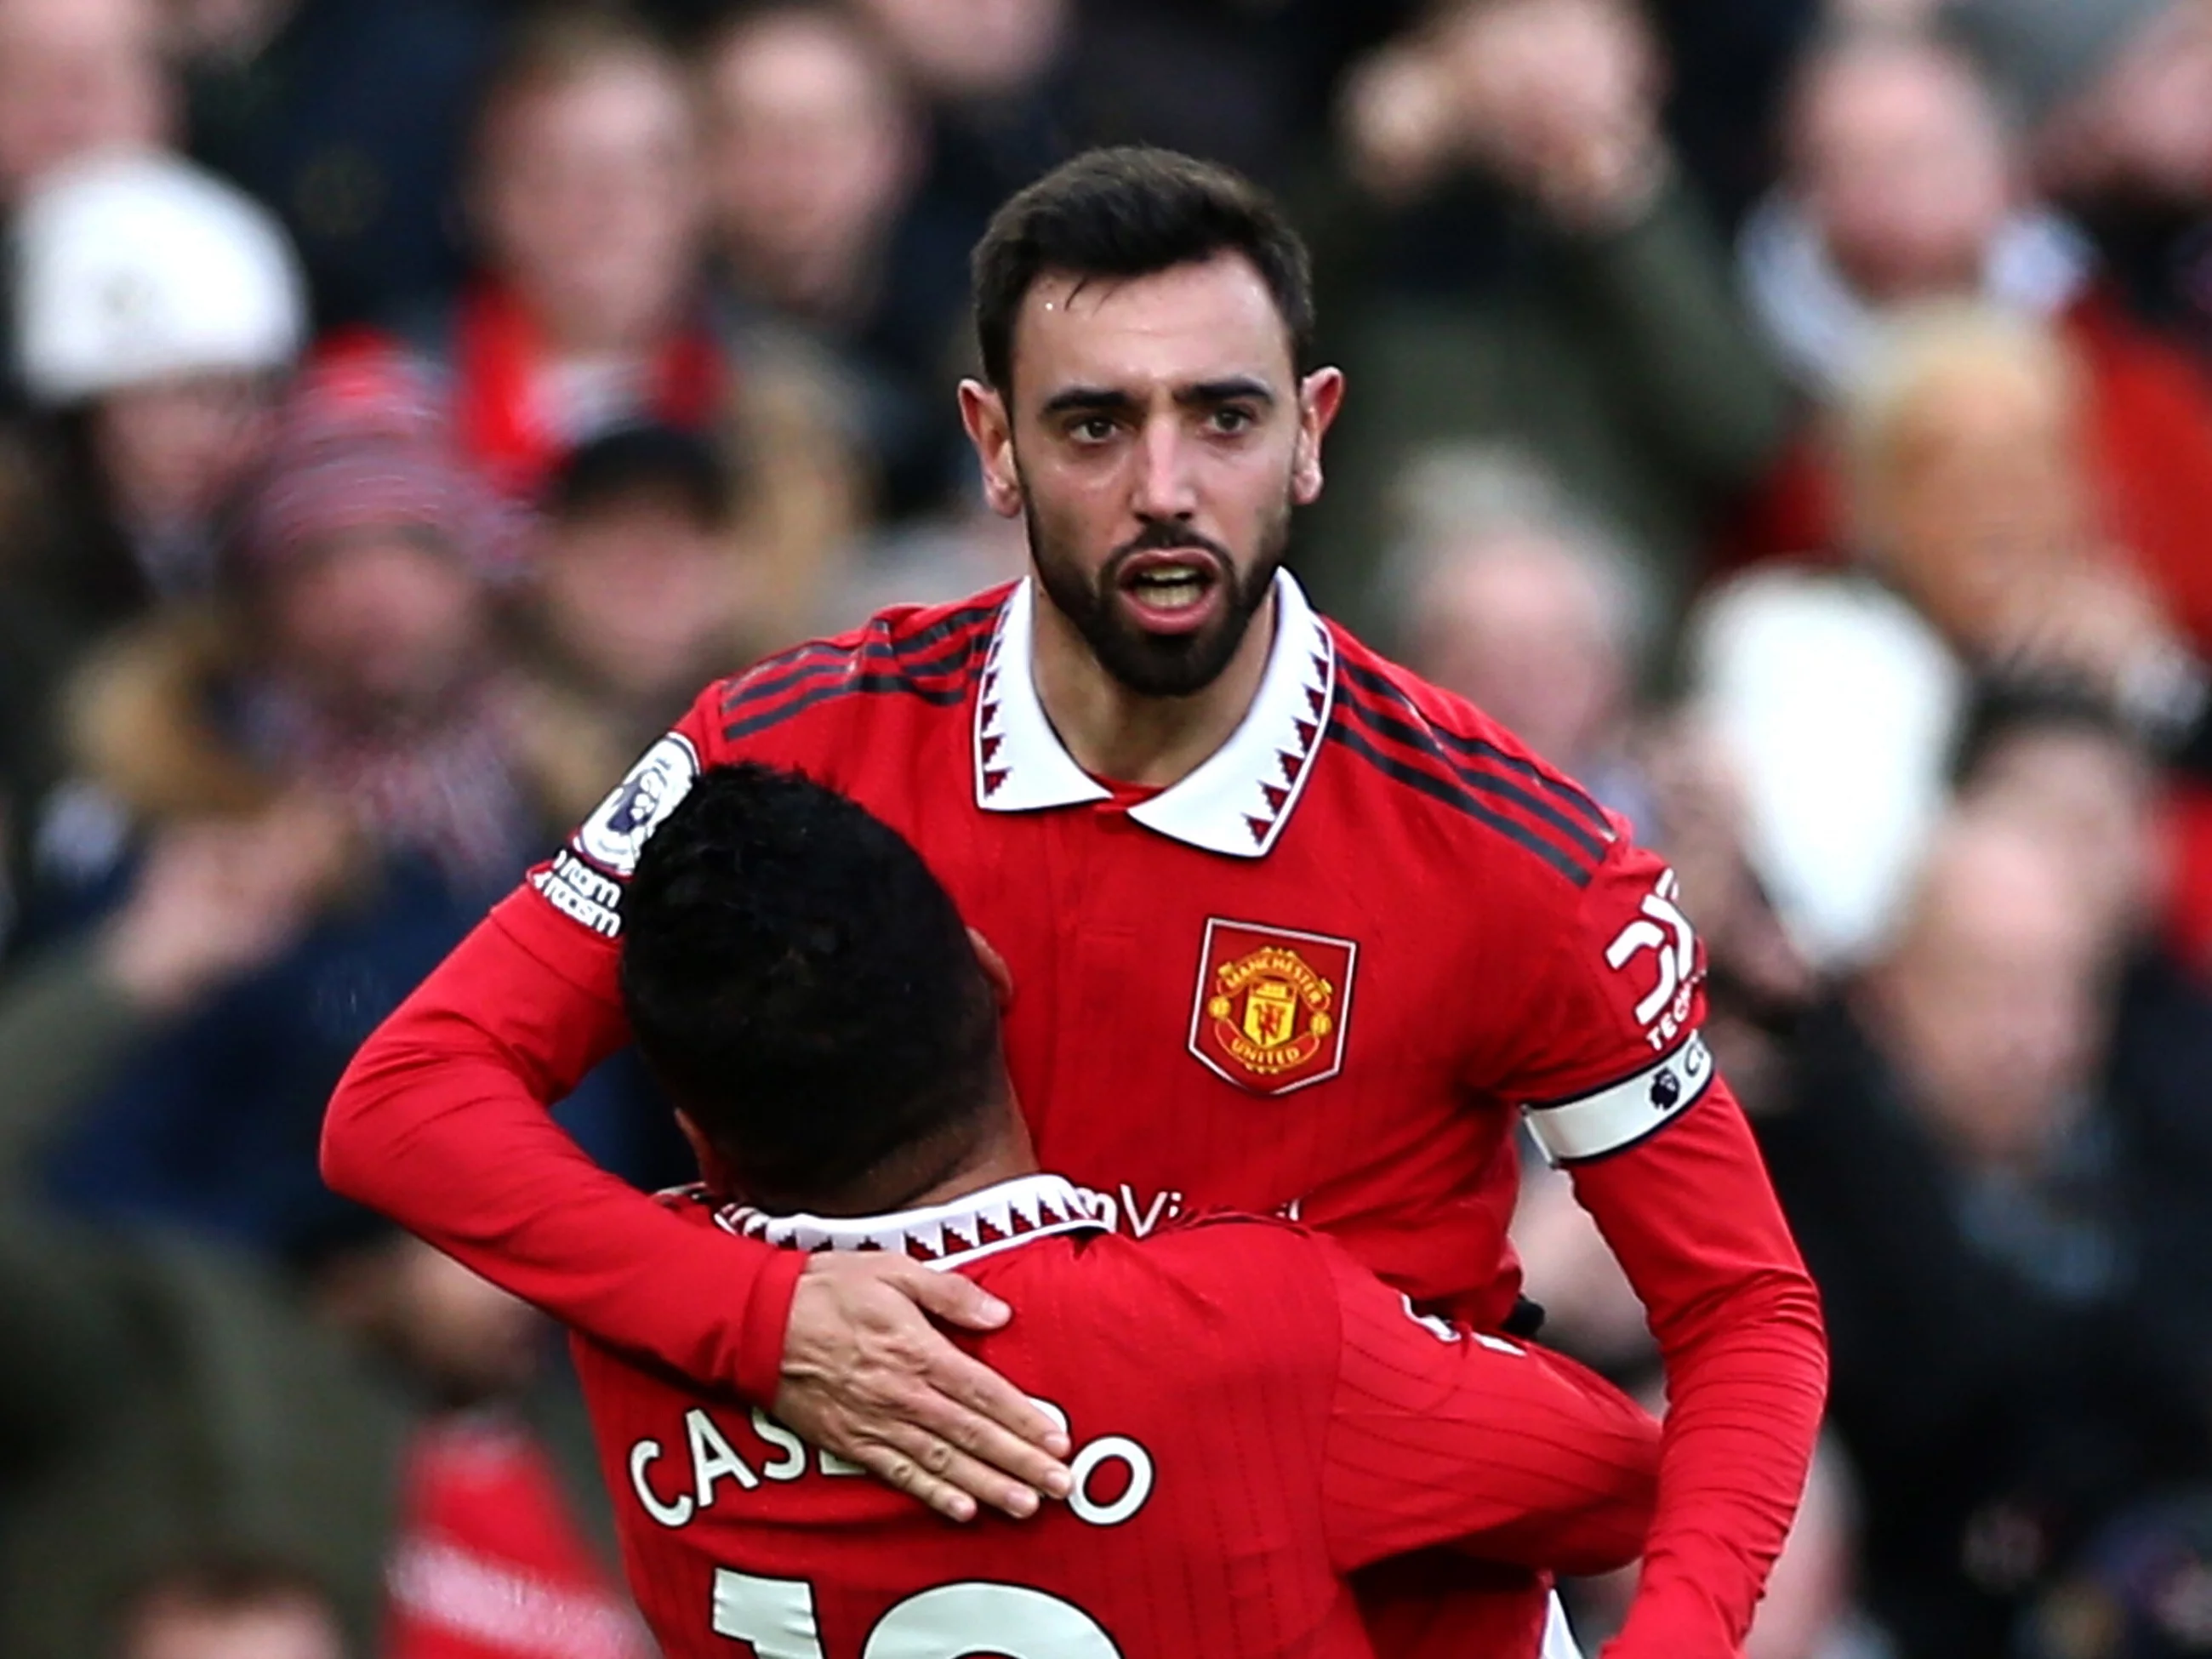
x=1272 y=1005
x=614 y=835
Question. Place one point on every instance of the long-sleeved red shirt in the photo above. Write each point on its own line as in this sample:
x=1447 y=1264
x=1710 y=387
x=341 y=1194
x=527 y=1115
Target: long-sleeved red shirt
x=1324 y=975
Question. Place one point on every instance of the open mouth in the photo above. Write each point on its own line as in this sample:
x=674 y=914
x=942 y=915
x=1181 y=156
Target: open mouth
x=1175 y=591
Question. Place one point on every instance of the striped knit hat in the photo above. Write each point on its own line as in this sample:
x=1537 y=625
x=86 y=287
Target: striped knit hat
x=366 y=447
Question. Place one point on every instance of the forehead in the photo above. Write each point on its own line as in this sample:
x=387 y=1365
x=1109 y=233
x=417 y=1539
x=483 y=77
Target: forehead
x=1186 y=324
x=1883 y=89
x=802 y=58
x=623 y=96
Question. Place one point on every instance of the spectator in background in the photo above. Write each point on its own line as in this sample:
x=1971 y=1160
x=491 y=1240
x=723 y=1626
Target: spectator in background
x=1903 y=183
x=2060 y=762
x=639 y=593
x=1838 y=694
x=1994 y=1156
x=348 y=118
x=1529 y=607
x=992 y=74
x=973 y=53
x=995 y=81
x=815 y=150
x=78 y=76
x=586 y=199
x=339 y=713
x=1906 y=185
x=156 y=313
x=1523 y=263
x=2118 y=97
x=230 y=1609
x=359 y=597
x=369 y=1417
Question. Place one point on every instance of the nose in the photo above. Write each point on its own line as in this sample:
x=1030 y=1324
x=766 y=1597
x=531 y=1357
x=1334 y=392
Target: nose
x=1165 y=486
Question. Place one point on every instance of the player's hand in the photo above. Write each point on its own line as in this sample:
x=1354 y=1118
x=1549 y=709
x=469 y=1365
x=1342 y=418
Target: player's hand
x=868 y=1376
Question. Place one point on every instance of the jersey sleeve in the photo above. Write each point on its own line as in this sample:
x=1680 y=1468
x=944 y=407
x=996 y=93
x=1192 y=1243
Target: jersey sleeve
x=1605 y=1049
x=1619 y=1087
x=442 y=1120
x=1438 y=1435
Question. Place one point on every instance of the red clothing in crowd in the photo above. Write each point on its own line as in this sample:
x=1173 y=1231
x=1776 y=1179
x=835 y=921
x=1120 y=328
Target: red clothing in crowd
x=2150 y=419
x=505 y=408
x=491 y=1562
x=1323 y=975
x=1254 y=1416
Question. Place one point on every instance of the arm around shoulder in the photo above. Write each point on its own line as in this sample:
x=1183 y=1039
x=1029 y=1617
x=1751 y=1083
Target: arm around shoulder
x=441 y=1122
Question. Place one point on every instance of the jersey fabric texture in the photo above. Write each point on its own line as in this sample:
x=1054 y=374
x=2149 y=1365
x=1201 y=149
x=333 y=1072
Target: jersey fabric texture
x=1254 y=1416
x=1322 y=975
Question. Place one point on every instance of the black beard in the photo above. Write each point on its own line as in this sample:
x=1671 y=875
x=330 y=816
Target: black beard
x=1154 y=664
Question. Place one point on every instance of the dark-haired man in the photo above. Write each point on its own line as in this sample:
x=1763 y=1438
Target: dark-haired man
x=1292 y=931
x=634 y=593
x=1257 y=1414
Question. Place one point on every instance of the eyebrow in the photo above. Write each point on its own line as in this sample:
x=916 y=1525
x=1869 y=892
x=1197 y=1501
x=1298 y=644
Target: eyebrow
x=1108 y=400
x=1233 y=388
x=1089 y=400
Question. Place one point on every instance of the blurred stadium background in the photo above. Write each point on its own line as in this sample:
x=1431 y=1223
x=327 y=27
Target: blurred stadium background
x=1793 y=416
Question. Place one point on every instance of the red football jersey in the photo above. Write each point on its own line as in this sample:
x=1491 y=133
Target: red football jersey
x=1323 y=975
x=1253 y=1416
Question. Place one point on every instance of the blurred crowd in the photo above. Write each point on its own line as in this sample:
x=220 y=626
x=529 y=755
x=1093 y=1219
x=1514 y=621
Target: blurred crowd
x=1794 y=417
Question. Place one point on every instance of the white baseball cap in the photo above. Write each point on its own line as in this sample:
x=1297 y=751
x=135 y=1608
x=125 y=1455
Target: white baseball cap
x=138 y=266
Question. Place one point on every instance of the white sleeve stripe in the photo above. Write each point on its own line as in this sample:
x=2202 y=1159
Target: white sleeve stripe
x=1623 y=1113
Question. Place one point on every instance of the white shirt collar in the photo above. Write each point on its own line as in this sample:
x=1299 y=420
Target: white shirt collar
x=1237 y=801
x=1822 y=330
x=943 y=1235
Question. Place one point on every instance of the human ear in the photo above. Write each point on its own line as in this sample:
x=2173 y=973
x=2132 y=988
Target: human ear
x=1321 y=394
x=991 y=429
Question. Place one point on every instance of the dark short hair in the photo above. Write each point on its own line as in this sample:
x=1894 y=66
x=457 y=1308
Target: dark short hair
x=550 y=48
x=2004 y=708
x=642 y=463
x=1132 y=211
x=805 y=991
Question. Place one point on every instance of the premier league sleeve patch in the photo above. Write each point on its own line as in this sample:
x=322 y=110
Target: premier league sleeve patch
x=617 y=832
x=1272 y=1005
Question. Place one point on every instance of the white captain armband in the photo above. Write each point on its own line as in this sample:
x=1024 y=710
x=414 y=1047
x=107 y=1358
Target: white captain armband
x=1620 y=1115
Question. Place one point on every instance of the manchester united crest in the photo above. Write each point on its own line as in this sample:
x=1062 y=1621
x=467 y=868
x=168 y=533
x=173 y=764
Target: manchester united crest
x=1271 y=1005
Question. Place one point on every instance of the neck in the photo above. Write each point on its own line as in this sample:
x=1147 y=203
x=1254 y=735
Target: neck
x=1005 y=1161
x=1115 y=732
x=920 y=1176
x=584 y=333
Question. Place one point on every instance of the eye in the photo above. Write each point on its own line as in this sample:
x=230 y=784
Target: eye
x=1233 y=418
x=1091 y=428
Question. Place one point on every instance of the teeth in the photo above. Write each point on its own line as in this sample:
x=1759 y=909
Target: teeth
x=1170 y=587
x=1172 y=593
